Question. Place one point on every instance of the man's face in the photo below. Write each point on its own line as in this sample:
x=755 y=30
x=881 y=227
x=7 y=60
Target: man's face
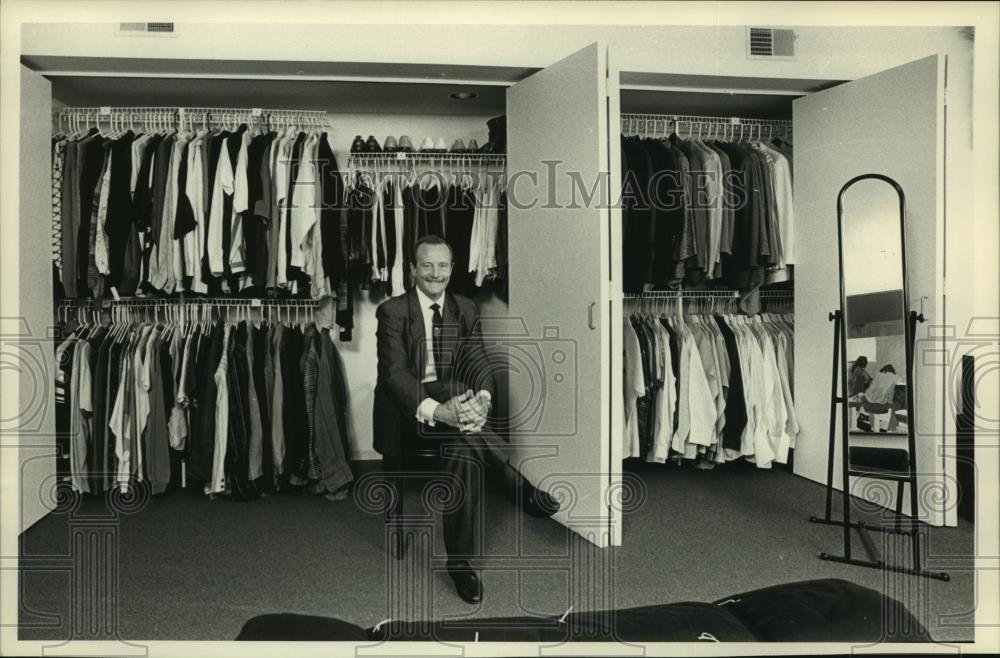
x=432 y=270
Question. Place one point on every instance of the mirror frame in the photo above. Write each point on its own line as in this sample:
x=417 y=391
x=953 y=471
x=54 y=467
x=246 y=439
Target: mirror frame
x=908 y=315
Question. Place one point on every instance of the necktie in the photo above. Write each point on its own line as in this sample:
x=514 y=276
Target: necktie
x=437 y=344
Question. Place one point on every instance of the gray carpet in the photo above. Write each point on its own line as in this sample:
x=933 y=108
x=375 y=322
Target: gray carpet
x=188 y=568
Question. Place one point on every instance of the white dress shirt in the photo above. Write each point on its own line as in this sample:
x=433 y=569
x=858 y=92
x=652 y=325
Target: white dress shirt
x=427 y=407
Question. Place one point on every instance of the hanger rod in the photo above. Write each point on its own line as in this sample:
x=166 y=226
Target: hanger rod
x=732 y=121
x=704 y=294
x=198 y=301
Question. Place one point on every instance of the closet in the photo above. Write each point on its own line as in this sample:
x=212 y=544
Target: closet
x=835 y=124
x=558 y=338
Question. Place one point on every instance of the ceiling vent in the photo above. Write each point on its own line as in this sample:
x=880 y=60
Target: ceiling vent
x=145 y=30
x=769 y=43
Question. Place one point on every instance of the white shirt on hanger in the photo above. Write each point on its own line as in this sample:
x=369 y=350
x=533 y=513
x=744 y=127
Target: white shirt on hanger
x=667 y=401
x=223 y=184
x=194 y=187
x=237 y=259
x=634 y=387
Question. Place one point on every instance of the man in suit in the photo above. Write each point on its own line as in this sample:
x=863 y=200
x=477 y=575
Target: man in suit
x=434 y=381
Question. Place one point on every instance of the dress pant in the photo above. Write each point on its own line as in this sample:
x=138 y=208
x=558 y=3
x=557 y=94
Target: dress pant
x=466 y=458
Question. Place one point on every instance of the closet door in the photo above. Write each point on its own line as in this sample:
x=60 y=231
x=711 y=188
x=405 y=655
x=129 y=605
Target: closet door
x=557 y=125
x=25 y=341
x=889 y=123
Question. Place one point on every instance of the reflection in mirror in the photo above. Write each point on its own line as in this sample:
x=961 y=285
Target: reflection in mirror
x=875 y=312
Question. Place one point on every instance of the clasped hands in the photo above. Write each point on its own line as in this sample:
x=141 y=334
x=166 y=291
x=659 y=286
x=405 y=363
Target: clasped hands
x=467 y=411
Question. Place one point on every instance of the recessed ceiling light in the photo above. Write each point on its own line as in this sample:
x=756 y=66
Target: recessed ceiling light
x=463 y=95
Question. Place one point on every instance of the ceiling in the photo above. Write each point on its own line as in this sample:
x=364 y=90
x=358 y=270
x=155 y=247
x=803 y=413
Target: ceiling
x=332 y=96
x=373 y=87
x=221 y=68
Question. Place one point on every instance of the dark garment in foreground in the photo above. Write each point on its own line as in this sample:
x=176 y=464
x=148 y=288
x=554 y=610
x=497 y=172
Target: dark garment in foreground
x=827 y=610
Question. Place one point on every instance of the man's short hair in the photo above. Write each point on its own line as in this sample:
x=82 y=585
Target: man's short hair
x=430 y=239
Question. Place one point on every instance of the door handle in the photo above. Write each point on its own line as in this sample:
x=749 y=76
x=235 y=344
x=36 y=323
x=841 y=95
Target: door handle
x=590 y=315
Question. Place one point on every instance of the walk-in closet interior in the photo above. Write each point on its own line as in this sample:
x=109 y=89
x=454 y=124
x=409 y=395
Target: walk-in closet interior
x=643 y=321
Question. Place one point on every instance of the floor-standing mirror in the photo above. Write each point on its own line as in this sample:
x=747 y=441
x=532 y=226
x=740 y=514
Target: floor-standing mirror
x=873 y=364
x=874 y=305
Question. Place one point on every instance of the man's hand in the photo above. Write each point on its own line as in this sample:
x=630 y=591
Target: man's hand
x=475 y=412
x=467 y=411
x=453 y=412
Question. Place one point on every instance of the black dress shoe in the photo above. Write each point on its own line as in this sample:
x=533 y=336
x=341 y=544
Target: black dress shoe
x=466 y=582
x=538 y=503
x=358 y=145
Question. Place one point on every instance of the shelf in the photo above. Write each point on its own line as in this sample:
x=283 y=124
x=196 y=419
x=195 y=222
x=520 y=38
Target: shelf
x=425 y=155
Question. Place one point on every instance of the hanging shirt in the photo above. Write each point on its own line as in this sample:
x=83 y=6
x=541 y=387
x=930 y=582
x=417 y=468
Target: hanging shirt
x=223 y=184
x=306 y=215
x=81 y=396
x=217 y=484
x=194 y=190
x=282 y=177
x=277 y=401
x=101 y=241
x=400 y=265
x=666 y=400
x=785 y=216
x=634 y=387
x=177 y=425
x=117 y=423
x=236 y=256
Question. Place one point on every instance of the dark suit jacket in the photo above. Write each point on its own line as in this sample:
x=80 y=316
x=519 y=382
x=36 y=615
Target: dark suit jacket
x=401 y=356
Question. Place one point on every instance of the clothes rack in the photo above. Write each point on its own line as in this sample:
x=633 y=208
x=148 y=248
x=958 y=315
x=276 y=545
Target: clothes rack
x=705 y=382
x=731 y=218
x=175 y=117
x=192 y=309
x=721 y=300
x=662 y=125
x=171 y=366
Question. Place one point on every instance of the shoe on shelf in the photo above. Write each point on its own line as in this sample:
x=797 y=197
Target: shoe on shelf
x=473 y=146
x=427 y=145
x=372 y=145
x=538 y=503
x=405 y=145
x=441 y=146
x=390 y=144
x=358 y=145
x=467 y=583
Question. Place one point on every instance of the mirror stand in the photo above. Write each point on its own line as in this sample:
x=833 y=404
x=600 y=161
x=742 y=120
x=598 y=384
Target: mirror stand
x=878 y=463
